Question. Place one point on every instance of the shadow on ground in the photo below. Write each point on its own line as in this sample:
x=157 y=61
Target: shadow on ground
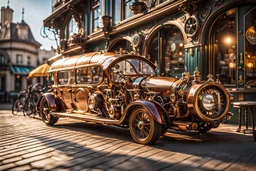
x=194 y=150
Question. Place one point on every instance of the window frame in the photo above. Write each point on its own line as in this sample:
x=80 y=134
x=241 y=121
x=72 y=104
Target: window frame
x=28 y=60
x=17 y=59
x=3 y=60
x=96 y=4
x=87 y=67
x=215 y=67
x=67 y=83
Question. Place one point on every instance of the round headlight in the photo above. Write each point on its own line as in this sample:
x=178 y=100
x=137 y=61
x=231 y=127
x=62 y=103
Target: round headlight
x=208 y=102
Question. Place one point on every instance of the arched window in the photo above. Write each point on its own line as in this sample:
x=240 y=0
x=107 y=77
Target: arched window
x=73 y=27
x=250 y=46
x=167 y=49
x=122 y=43
x=223 y=54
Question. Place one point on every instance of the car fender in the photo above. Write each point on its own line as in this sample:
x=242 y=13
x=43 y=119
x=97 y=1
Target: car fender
x=52 y=101
x=155 y=109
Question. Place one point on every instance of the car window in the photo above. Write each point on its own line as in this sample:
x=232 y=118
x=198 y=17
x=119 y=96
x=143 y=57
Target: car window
x=51 y=79
x=89 y=75
x=130 y=67
x=66 y=77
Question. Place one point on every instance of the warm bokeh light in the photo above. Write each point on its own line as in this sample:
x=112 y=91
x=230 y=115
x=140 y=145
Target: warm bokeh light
x=249 y=65
x=228 y=40
x=232 y=64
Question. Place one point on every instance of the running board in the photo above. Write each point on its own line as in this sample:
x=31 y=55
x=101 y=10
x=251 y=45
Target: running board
x=86 y=117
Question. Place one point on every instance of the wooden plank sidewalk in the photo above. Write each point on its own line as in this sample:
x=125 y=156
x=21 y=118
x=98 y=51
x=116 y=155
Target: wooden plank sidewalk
x=27 y=144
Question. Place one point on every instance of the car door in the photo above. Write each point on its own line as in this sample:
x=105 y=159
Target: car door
x=65 y=80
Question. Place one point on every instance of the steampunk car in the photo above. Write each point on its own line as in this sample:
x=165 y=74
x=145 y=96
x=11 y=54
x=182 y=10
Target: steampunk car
x=123 y=90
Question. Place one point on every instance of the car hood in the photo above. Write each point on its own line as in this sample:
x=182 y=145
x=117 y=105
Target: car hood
x=160 y=82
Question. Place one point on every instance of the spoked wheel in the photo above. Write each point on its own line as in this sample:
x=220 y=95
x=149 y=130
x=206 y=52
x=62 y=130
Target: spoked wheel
x=16 y=108
x=47 y=118
x=143 y=128
x=28 y=110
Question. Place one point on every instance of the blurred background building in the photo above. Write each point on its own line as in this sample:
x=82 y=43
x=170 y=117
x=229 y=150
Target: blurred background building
x=19 y=54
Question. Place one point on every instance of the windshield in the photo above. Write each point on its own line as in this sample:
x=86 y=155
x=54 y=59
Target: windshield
x=130 y=67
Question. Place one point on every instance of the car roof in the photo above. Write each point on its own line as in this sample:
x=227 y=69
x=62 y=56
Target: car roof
x=82 y=60
x=92 y=58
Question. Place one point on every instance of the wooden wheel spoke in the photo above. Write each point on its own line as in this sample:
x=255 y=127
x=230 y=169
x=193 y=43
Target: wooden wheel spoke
x=137 y=119
x=145 y=132
x=140 y=116
x=148 y=129
x=147 y=124
x=141 y=133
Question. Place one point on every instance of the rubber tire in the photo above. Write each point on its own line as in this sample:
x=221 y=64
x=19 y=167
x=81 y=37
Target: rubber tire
x=14 y=105
x=164 y=130
x=155 y=128
x=52 y=119
x=26 y=109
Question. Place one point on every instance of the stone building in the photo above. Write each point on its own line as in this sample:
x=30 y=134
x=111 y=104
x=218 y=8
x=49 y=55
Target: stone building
x=19 y=54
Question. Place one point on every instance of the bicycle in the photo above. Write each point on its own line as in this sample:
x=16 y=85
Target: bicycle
x=19 y=102
x=33 y=99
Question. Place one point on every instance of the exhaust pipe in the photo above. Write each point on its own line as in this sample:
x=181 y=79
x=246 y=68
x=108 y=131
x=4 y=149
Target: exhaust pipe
x=184 y=126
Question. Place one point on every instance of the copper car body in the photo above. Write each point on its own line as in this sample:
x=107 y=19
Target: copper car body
x=123 y=90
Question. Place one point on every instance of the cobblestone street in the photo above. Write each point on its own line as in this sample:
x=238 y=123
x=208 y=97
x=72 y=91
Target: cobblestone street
x=27 y=143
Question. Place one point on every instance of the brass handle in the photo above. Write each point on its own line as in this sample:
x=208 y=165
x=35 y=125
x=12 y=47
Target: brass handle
x=241 y=59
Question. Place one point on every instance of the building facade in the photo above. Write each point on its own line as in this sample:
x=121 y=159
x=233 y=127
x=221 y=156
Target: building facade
x=217 y=36
x=19 y=54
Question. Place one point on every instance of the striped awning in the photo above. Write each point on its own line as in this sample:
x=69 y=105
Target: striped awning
x=22 y=70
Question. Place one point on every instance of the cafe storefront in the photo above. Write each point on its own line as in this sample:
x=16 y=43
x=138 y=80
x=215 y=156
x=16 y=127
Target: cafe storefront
x=217 y=36
x=229 y=47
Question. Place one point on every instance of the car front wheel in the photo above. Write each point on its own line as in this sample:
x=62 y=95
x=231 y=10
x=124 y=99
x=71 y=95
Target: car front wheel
x=143 y=128
x=47 y=118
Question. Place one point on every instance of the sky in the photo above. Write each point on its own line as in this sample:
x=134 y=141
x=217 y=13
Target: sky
x=35 y=12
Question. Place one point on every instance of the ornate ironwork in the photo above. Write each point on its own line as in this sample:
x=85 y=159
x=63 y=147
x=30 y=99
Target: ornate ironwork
x=218 y=3
x=250 y=83
x=188 y=7
x=240 y=81
x=183 y=18
x=191 y=26
x=205 y=12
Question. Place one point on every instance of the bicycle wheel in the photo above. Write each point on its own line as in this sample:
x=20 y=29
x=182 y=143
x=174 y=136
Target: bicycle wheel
x=15 y=107
x=28 y=109
x=22 y=102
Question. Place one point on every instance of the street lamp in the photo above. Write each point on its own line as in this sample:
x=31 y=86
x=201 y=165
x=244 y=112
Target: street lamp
x=106 y=28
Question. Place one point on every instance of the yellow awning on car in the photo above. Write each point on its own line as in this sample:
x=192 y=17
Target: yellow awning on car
x=41 y=71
